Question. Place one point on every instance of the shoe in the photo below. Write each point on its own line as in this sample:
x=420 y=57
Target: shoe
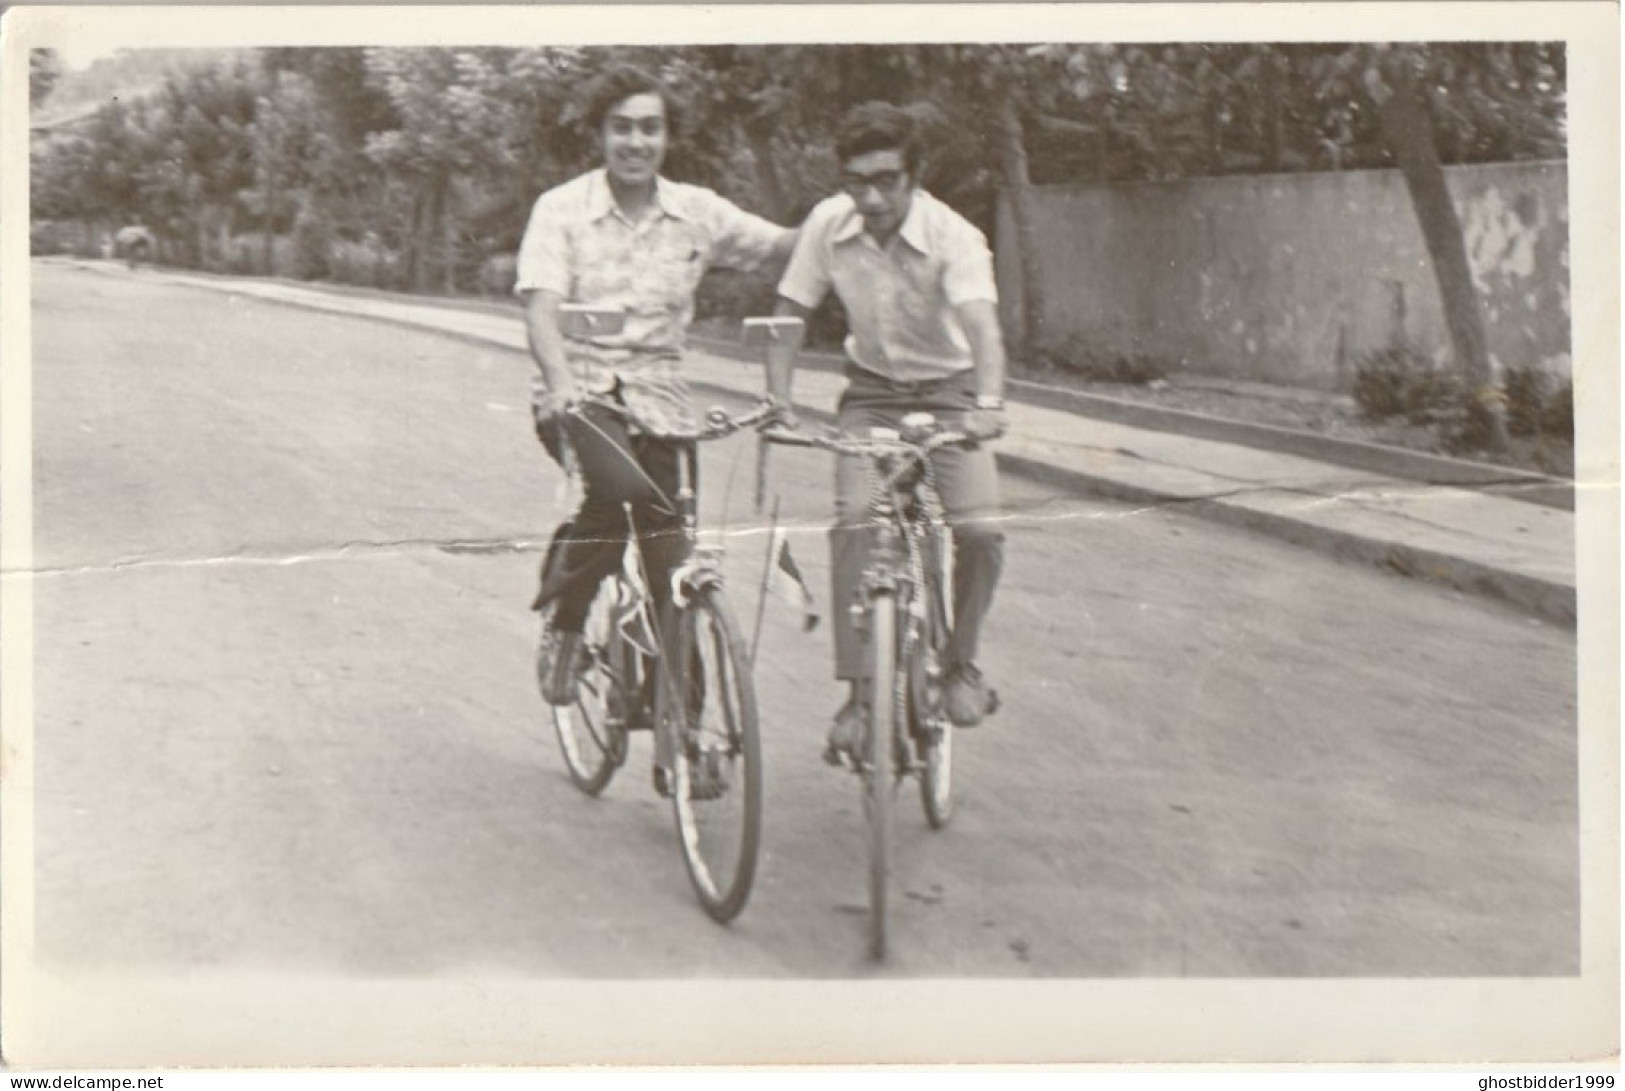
x=560 y=673
x=968 y=697
x=841 y=747
x=707 y=781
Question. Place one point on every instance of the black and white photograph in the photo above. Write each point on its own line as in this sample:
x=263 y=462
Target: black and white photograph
x=810 y=534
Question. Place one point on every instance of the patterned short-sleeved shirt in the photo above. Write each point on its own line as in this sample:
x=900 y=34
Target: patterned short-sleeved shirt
x=580 y=245
x=899 y=298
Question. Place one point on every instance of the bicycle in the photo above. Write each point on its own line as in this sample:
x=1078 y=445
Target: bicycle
x=903 y=614
x=691 y=685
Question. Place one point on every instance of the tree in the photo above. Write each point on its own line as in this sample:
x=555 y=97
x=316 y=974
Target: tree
x=1394 y=82
x=437 y=153
x=457 y=124
x=345 y=190
x=1192 y=109
x=44 y=71
x=284 y=138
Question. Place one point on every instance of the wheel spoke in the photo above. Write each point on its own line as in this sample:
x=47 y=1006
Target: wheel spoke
x=591 y=738
x=717 y=766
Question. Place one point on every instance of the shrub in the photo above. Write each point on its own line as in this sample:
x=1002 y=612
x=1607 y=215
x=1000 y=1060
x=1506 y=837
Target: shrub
x=1557 y=415
x=1380 y=382
x=1397 y=383
x=244 y=255
x=1077 y=355
x=46 y=237
x=497 y=275
x=1435 y=397
x=1525 y=396
x=367 y=263
x=1538 y=405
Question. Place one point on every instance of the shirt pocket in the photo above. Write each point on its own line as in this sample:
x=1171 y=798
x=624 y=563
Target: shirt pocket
x=920 y=293
x=674 y=267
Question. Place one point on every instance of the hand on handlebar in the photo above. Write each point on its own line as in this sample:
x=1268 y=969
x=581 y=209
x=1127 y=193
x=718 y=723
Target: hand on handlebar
x=548 y=415
x=552 y=404
x=986 y=424
x=780 y=417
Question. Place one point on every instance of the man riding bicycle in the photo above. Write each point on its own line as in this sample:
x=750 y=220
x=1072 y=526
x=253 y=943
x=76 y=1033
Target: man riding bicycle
x=627 y=240
x=916 y=280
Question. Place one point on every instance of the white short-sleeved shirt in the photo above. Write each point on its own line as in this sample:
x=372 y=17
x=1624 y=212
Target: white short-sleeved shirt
x=899 y=298
x=580 y=245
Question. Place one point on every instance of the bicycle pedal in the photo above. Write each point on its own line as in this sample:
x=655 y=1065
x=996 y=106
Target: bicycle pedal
x=992 y=702
x=662 y=783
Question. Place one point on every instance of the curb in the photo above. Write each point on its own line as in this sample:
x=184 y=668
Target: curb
x=1550 y=600
x=1553 y=601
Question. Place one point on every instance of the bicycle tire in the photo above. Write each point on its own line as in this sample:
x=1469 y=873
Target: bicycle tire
x=879 y=762
x=716 y=756
x=592 y=732
x=933 y=733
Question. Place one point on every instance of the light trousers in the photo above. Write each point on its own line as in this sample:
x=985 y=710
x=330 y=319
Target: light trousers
x=968 y=483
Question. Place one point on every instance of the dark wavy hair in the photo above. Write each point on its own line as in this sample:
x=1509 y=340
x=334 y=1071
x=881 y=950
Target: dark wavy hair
x=880 y=127
x=619 y=83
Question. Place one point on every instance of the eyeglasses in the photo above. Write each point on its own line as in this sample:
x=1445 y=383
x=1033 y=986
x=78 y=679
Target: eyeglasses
x=883 y=180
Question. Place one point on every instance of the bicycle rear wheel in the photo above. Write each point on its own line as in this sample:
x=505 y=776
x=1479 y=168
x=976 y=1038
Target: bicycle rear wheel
x=592 y=732
x=928 y=719
x=717 y=756
x=879 y=762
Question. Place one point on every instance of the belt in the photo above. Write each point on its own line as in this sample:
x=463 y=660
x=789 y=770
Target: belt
x=857 y=374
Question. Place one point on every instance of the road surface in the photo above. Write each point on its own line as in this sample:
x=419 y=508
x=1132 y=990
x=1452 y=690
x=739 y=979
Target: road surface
x=285 y=714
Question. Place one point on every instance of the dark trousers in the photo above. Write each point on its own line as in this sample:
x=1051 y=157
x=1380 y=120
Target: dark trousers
x=617 y=469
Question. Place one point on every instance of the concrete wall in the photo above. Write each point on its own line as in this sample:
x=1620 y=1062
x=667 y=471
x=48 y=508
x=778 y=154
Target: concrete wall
x=1291 y=278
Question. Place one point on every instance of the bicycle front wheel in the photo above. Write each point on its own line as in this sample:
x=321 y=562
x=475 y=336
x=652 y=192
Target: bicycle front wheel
x=592 y=732
x=717 y=762
x=879 y=759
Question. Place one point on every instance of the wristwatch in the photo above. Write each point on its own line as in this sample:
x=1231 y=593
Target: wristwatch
x=989 y=401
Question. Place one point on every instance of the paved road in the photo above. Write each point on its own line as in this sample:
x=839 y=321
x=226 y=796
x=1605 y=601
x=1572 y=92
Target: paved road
x=285 y=716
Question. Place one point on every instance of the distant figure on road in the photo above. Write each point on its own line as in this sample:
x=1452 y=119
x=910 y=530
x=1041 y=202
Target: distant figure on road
x=622 y=237
x=916 y=279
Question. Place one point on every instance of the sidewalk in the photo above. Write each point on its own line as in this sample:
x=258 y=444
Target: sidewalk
x=1472 y=540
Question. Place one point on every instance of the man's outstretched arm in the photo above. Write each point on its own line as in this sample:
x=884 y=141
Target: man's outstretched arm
x=783 y=349
x=980 y=318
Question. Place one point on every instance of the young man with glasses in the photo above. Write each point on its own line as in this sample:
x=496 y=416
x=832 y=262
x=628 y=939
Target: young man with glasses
x=916 y=280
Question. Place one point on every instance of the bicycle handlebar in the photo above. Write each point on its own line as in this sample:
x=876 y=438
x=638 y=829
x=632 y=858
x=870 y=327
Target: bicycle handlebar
x=718 y=421
x=844 y=444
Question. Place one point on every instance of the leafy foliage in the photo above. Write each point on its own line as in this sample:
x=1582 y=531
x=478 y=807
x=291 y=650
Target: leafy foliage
x=417 y=167
x=44 y=70
x=1394 y=382
x=1538 y=404
x=1087 y=359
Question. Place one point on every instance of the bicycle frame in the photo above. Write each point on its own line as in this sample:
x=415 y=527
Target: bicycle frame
x=702 y=707
x=906 y=734
x=903 y=516
x=700 y=569
x=908 y=532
